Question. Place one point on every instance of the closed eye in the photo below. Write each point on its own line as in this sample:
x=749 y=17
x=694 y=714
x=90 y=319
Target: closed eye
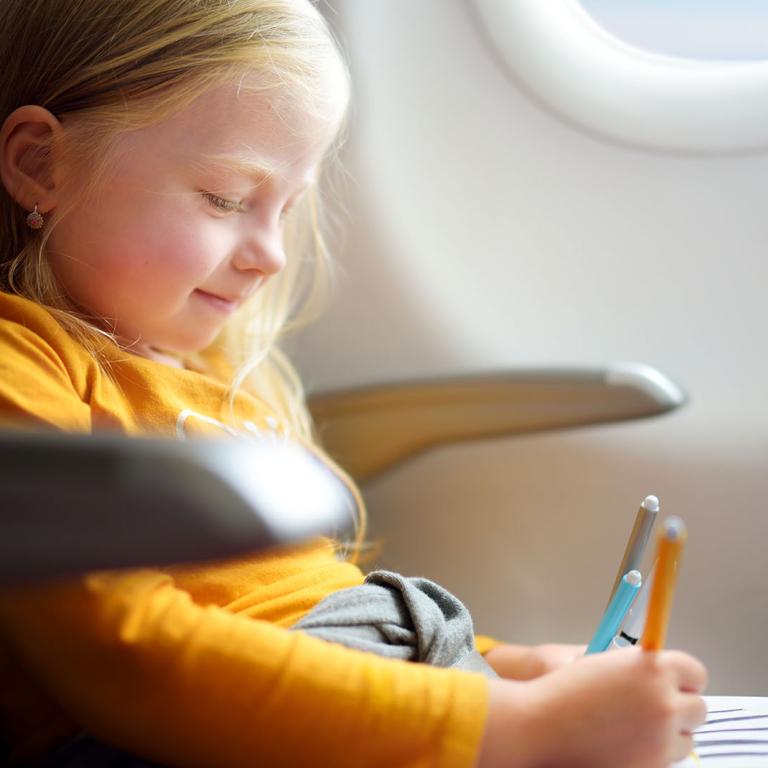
x=222 y=204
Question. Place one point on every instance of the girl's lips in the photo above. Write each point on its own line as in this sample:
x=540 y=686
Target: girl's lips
x=222 y=305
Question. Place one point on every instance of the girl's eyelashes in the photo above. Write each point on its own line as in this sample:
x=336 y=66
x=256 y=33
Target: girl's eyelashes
x=223 y=205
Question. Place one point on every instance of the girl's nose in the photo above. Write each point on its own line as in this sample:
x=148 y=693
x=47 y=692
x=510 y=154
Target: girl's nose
x=261 y=250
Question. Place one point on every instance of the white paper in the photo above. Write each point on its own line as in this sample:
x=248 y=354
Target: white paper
x=734 y=736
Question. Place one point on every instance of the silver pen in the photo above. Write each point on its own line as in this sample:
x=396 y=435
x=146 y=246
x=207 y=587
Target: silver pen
x=633 y=554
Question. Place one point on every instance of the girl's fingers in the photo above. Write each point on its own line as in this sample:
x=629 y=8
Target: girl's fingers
x=682 y=747
x=693 y=712
x=690 y=673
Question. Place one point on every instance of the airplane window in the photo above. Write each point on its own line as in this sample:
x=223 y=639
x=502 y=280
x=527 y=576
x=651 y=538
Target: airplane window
x=694 y=29
x=624 y=89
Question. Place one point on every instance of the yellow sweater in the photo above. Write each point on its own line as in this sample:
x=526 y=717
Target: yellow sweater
x=193 y=665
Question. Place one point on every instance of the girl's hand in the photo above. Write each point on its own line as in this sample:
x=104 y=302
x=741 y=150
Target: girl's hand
x=630 y=707
x=526 y=662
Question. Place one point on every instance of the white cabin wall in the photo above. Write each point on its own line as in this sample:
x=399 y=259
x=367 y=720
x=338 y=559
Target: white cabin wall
x=484 y=232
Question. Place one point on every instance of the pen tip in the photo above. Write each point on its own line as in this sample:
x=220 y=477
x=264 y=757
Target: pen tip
x=674 y=528
x=651 y=503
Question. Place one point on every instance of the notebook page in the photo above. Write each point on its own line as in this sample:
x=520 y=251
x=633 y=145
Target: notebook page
x=734 y=736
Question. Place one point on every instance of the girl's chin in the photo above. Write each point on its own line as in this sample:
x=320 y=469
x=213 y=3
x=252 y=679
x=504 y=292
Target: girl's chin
x=173 y=355
x=177 y=341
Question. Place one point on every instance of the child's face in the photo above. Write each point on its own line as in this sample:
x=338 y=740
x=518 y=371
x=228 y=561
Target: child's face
x=176 y=238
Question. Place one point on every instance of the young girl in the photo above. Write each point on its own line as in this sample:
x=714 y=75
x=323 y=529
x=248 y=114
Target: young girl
x=159 y=160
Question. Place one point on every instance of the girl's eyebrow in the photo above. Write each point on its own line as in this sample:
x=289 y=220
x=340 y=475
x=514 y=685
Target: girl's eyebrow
x=259 y=171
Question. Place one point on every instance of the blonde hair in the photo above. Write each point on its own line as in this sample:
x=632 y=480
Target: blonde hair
x=104 y=68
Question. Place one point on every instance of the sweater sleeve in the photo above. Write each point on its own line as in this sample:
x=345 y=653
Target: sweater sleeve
x=484 y=643
x=135 y=661
x=36 y=389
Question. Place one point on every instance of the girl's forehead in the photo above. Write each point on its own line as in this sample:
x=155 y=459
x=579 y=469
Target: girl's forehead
x=245 y=125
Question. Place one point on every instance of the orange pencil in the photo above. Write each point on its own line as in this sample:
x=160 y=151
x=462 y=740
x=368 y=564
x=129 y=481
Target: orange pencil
x=672 y=536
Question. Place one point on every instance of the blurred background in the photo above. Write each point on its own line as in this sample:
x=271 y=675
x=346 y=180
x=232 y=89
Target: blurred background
x=525 y=189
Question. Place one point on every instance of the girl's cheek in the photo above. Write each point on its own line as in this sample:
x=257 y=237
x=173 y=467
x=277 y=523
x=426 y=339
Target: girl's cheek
x=199 y=244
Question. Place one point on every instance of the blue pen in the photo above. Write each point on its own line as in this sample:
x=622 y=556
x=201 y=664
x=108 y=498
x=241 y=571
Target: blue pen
x=634 y=623
x=617 y=610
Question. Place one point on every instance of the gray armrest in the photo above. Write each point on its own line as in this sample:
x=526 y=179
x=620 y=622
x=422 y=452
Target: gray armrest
x=370 y=429
x=80 y=502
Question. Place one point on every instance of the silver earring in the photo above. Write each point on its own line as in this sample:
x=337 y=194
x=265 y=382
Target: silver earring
x=35 y=220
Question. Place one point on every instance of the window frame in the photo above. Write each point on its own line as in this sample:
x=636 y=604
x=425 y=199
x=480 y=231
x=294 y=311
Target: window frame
x=589 y=78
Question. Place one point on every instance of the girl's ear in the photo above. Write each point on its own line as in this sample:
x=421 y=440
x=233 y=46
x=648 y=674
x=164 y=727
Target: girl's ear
x=27 y=140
